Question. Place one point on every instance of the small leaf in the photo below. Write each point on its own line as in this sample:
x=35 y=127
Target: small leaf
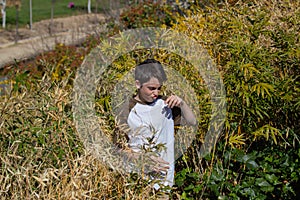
x=190 y=187
x=272 y=178
x=262 y=182
x=252 y=164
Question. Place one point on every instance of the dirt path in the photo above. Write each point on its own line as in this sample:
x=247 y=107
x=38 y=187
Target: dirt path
x=69 y=30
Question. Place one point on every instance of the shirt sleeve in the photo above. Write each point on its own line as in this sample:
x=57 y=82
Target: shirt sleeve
x=176 y=113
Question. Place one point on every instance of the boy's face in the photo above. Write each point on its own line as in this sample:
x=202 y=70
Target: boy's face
x=148 y=91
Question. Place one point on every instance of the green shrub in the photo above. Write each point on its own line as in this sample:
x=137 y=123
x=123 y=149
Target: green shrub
x=256 y=49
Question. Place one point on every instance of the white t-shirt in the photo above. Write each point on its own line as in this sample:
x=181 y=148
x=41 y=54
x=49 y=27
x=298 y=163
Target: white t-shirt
x=152 y=128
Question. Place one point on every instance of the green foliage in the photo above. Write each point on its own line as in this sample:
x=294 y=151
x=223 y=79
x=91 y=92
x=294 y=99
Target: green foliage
x=257 y=59
x=263 y=173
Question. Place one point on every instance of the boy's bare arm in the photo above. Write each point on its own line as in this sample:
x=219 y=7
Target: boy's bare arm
x=187 y=113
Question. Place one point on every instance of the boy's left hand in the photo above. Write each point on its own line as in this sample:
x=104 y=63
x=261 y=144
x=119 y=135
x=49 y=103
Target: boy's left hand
x=174 y=100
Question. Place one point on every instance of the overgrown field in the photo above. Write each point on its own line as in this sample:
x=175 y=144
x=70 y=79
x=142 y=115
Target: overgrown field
x=255 y=46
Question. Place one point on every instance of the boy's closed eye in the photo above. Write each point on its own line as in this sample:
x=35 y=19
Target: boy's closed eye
x=154 y=88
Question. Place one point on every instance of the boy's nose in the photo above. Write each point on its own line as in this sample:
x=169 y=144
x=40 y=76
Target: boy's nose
x=155 y=92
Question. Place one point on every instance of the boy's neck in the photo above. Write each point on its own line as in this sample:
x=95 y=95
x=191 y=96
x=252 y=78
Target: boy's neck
x=141 y=100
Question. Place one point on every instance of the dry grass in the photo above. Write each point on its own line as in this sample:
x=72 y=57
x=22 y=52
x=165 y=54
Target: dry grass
x=42 y=156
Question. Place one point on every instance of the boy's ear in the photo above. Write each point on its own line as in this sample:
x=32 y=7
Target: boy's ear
x=137 y=84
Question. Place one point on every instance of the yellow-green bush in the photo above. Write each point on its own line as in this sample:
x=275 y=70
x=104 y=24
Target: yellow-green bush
x=256 y=47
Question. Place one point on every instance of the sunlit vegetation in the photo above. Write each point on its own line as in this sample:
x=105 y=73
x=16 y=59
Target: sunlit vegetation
x=255 y=45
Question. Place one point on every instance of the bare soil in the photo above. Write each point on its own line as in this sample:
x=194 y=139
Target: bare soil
x=58 y=25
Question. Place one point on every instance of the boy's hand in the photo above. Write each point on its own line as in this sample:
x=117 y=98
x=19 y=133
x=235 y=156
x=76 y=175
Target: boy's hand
x=151 y=162
x=174 y=100
x=159 y=165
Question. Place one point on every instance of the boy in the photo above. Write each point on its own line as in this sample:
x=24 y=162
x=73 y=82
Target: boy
x=151 y=119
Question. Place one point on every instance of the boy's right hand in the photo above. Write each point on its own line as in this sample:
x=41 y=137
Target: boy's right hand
x=173 y=100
